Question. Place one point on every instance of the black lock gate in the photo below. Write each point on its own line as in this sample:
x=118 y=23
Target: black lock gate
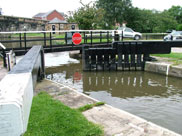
x=122 y=55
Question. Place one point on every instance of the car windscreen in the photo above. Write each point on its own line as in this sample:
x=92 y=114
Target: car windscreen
x=177 y=33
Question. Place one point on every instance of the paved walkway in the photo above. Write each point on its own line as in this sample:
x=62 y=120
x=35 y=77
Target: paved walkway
x=176 y=50
x=115 y=121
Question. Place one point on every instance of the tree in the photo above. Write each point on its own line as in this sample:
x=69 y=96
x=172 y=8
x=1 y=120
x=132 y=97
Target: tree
x=88 y=17
x=150 y=21
x=164 y=22
x=115 y=10
x=176 y=12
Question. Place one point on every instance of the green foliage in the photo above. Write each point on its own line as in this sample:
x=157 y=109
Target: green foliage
x=49 y=117
x=176 y=12
x=179 y=27
x=104 y=14
x=88 y=17
x=150 y=21
x=116 y=11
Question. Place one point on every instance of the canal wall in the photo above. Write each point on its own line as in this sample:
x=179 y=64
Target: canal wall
x=11 y=23
x=164 y=68
x=16 y=92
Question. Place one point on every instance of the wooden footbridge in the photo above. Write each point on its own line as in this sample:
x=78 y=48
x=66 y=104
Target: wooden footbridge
x=101 y=49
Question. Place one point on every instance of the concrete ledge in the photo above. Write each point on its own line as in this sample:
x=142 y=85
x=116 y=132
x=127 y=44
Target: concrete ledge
x=16 y=92
x=15 y=102
x=164 y=69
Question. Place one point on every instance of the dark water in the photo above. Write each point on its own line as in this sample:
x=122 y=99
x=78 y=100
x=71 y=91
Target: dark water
x=153 y=97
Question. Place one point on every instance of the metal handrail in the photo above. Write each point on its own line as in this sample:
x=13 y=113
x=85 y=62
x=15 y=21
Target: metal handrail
x=60 y=31
x=2 y=46
x=3 y=54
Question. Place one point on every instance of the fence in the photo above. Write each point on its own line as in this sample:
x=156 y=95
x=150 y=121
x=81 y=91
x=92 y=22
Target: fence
x=25 y=39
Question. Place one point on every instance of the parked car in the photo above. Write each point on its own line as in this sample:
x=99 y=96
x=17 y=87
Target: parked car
x=128 y=33
x=173 y=36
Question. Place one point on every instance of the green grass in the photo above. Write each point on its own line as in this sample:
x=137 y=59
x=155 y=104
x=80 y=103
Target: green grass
x=90 y=106
x=171 y=55
x=50 y=117
x=176 y=58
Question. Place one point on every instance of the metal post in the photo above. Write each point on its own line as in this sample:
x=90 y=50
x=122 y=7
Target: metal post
x=71 y=39
x=4 y=58
x=44 y=38
x=66 y=38
x=100 y=36
x=107 y=37
x=20 y=40
x=122 y=35
x=91 y=37
x=25 y=41
x=50 y=36
x=84 y=38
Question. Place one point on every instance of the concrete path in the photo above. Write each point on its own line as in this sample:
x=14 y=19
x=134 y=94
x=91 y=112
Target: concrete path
x=176 y=50
x=115 y=121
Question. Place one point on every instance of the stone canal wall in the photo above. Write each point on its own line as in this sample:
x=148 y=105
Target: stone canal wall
x=164 y=68
x=16 y=92
x=10 y=23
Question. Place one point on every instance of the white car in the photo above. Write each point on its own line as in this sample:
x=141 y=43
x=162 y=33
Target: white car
x=128 y=33
x=173 y=36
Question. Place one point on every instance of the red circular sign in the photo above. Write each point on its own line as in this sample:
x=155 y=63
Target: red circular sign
x=77 y=38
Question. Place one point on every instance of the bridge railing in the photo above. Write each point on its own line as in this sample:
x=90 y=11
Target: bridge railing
x=23 y=40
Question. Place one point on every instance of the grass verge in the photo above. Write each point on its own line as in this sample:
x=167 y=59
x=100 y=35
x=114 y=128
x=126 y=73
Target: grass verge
x=176 y=58
x=50 y=117
x=171 y=55
x=90 y=106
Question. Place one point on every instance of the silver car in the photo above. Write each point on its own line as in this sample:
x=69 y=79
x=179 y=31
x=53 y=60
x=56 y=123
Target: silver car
x=173 y=36
x=128 y=33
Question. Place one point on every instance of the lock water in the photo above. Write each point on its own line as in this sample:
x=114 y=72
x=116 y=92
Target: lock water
x=154 y=97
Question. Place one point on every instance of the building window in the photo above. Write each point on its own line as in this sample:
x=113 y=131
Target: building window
x=61 y=26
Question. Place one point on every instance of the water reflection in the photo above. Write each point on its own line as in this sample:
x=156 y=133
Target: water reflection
x=154 y=97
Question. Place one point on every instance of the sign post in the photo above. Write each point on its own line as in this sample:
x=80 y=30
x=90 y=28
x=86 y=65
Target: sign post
x=77 y=38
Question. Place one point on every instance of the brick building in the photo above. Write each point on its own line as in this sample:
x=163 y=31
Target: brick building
x=56 y=21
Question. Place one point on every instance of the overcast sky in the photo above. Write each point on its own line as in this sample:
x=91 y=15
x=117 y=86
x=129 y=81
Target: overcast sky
x=28 y=8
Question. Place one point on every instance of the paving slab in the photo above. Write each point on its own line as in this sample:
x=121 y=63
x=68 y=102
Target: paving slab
x=115 y=122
